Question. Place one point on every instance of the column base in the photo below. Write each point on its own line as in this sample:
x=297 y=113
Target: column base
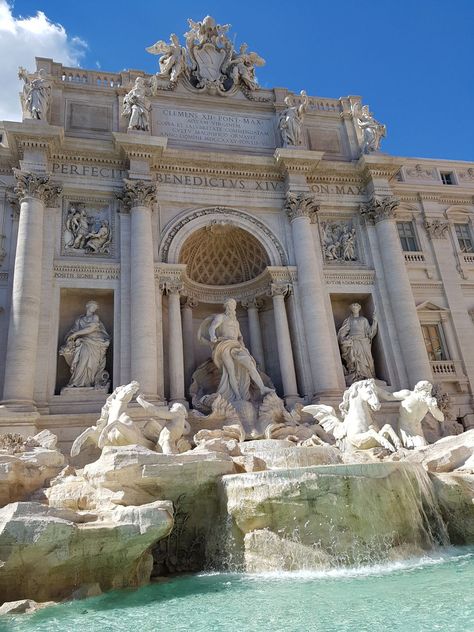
x=17 y=406
x=332 y=397
x=17 y=422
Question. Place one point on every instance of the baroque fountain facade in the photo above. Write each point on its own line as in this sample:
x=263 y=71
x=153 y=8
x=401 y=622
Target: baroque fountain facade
x=232 y=330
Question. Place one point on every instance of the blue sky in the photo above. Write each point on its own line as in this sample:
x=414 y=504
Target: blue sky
x=412 y=62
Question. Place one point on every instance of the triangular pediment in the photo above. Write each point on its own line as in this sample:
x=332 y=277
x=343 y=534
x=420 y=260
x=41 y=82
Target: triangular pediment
x=430 y=307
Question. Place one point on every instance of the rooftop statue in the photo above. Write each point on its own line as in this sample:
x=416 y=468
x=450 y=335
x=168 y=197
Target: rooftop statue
x=136 y=106
x=36 y=95
x=208 y=62
x=372 y=131
x=290 y=121
x=173 y=58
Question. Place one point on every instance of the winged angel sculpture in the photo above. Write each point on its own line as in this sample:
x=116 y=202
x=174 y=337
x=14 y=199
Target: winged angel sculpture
x=357 y=429
x=209 y=61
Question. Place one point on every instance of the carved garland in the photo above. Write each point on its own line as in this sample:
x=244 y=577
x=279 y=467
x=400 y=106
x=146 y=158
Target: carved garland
x=229 y=212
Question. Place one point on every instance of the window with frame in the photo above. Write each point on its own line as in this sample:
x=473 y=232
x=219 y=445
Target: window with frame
x=447 y=177
x=406 y=232
x=434 y=342
x=463 y=233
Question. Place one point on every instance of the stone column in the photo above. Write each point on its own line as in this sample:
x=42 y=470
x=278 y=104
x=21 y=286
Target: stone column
x=283 y=340
x=139 y=197
x=175 y=332
x=319 y=332
x=381 y=212
x=256 y=345
x=188 y=339
x=34 y=192
x=159 y=342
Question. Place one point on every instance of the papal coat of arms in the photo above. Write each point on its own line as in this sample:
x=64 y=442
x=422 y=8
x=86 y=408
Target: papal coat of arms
x=209 y=61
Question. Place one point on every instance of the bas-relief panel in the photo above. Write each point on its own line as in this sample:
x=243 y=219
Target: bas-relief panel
x=88 y=228
x=339 y=241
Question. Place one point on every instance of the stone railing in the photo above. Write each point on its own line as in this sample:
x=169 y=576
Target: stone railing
x=92 y=78
x=442 y=368
x=468 y=258
x=414 y=257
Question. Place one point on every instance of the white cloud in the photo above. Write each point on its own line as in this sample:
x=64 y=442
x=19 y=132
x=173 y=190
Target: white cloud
x=23 y=39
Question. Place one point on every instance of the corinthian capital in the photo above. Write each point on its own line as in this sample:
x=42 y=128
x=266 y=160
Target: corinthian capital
x=137 y=193
x=379 y=208
x=31 y=185
x=300 y=205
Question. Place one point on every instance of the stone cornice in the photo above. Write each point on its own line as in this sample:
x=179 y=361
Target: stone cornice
x=379 y=209
x=301 y=204
x=137 y=193
x=291 y=160
x=378 y=166
x=30 y=185
x=138 y=146
x=32 y=134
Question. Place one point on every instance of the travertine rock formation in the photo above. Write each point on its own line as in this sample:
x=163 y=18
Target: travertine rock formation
x=49 y=553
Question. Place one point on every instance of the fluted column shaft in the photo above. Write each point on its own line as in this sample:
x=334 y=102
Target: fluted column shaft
x=285 y=352
x=318 y=331
x=176 y=360
x=34 y=192
x=256 y=344
x=410 y=336
x=188 y=339
x=139 y=196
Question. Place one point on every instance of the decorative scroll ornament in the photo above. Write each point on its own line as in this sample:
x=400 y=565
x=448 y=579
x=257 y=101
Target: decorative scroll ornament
x=379 y=208
x=137 y=193
x=31 y=185
x=436 y=228
x=300 y=205
x=370 y=130
x=209 y=62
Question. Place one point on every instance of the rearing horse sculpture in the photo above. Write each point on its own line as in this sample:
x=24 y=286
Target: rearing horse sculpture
x=357 y=429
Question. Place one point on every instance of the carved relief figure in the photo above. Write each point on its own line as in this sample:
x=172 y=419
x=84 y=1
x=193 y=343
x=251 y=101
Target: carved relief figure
x=290 y=121
x=414 y=406
x=136 y=106
x=339 y=242
x=355 y=340
x=372 y=130
x=229 y=354
x=36 y=96
x=84 y=350
x=173 y=58
x=242 y=67
x=84 y=233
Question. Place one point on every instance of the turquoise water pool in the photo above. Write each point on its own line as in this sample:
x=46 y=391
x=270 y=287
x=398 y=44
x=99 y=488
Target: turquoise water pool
x=432 y=593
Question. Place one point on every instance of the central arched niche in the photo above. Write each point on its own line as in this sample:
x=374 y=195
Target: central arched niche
x=223 y=254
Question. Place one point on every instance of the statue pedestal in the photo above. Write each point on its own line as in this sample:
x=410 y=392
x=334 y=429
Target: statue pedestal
x=74 y=400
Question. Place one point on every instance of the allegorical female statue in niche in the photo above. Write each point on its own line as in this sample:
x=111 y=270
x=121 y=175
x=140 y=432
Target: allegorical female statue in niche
x=85 y=349
x=355 y=340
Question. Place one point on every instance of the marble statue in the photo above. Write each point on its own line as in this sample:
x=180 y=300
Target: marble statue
x=290 y=121
x=339 y=242
x=115 y=427
x=242 y=67
x=355 y=340
x=372 y=130
x=136 y=106
x=230 y=355
x=172 y=62
x=36 y=95
x=357 y=429
x=414 y=406
x=84 y=350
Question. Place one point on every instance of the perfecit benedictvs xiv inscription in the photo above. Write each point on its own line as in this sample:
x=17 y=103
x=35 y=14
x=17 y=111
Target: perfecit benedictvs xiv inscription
x=216 y=128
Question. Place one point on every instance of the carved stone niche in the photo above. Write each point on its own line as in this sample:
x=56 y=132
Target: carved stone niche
x=340 y=304
x=87 y=228
x=339 y=241
x=73 y=305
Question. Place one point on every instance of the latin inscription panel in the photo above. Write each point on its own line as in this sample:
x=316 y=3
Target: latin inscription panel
x=218 y=128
